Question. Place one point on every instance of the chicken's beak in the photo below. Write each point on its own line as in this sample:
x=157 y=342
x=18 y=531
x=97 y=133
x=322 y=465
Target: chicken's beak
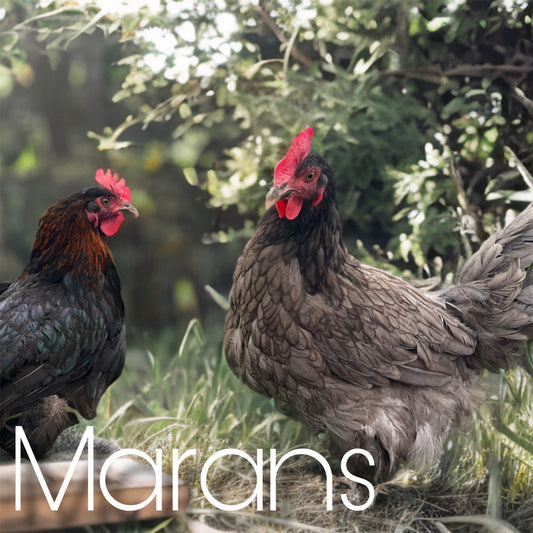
x=130 y=208
x=272 y=197
x=277 y=193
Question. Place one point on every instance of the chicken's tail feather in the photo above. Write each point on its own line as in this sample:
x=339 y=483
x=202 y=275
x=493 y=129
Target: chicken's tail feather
x=515 y=241
x=494 y=294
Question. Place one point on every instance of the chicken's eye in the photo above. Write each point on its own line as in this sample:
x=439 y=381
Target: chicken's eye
x=310 y=176
x=105 y=201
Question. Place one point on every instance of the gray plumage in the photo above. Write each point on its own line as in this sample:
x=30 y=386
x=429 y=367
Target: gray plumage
x=357 y=353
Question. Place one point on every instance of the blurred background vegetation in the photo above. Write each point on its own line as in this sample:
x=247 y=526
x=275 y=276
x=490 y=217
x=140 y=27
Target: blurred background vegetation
x=423 y=108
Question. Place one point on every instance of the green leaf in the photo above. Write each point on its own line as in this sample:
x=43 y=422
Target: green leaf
x=191 y=176
x=6 y=81
x=8 y=39
x=512 y=435
x=218 y=298
x=26 y=161
x=514 y=160
x=455 y=105
x=511 y=196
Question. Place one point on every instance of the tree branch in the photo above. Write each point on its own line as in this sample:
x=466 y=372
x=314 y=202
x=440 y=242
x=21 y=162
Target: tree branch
x=271 y=24
x=434 y=75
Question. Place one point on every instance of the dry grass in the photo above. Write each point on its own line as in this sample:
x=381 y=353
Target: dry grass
x=397 y=508
x=192 y=400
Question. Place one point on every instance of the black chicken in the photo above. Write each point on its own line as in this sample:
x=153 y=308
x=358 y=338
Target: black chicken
x=354 y=351
x=62 y=333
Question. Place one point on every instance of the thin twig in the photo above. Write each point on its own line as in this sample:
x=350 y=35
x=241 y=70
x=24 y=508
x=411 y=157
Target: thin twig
x=49 y=14
x=288 y=50
x=100 y=15
x=435 y=75
x=263 y=518
x=271 y=24
x=493 y=524
x=463 y=203
x=523 y=99
x=524 y=172
x=461 y=195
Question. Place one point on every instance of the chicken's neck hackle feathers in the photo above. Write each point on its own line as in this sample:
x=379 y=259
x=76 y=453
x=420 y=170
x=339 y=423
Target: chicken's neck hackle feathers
x=315 y=236
x=62 y=330
x=67 y=244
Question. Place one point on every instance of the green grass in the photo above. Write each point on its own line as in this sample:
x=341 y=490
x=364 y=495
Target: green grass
x=181 y=395
x=191 y=399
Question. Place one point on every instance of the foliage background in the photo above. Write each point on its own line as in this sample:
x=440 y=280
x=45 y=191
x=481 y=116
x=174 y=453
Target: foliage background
x=423 y=108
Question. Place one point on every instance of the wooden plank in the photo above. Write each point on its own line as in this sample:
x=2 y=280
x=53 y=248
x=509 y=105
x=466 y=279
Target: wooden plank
x=128 y=481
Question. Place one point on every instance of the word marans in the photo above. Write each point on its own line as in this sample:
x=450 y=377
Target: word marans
x=87 y=439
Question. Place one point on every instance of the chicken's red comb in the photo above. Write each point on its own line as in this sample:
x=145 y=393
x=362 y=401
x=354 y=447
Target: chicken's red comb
x=300 y=147
x=110 y=181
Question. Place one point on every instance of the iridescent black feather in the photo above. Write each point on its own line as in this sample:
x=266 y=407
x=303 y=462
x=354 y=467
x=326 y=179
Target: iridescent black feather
x=62 y=332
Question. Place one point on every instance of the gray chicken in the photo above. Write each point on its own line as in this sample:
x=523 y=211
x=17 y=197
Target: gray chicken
x=355 y=352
